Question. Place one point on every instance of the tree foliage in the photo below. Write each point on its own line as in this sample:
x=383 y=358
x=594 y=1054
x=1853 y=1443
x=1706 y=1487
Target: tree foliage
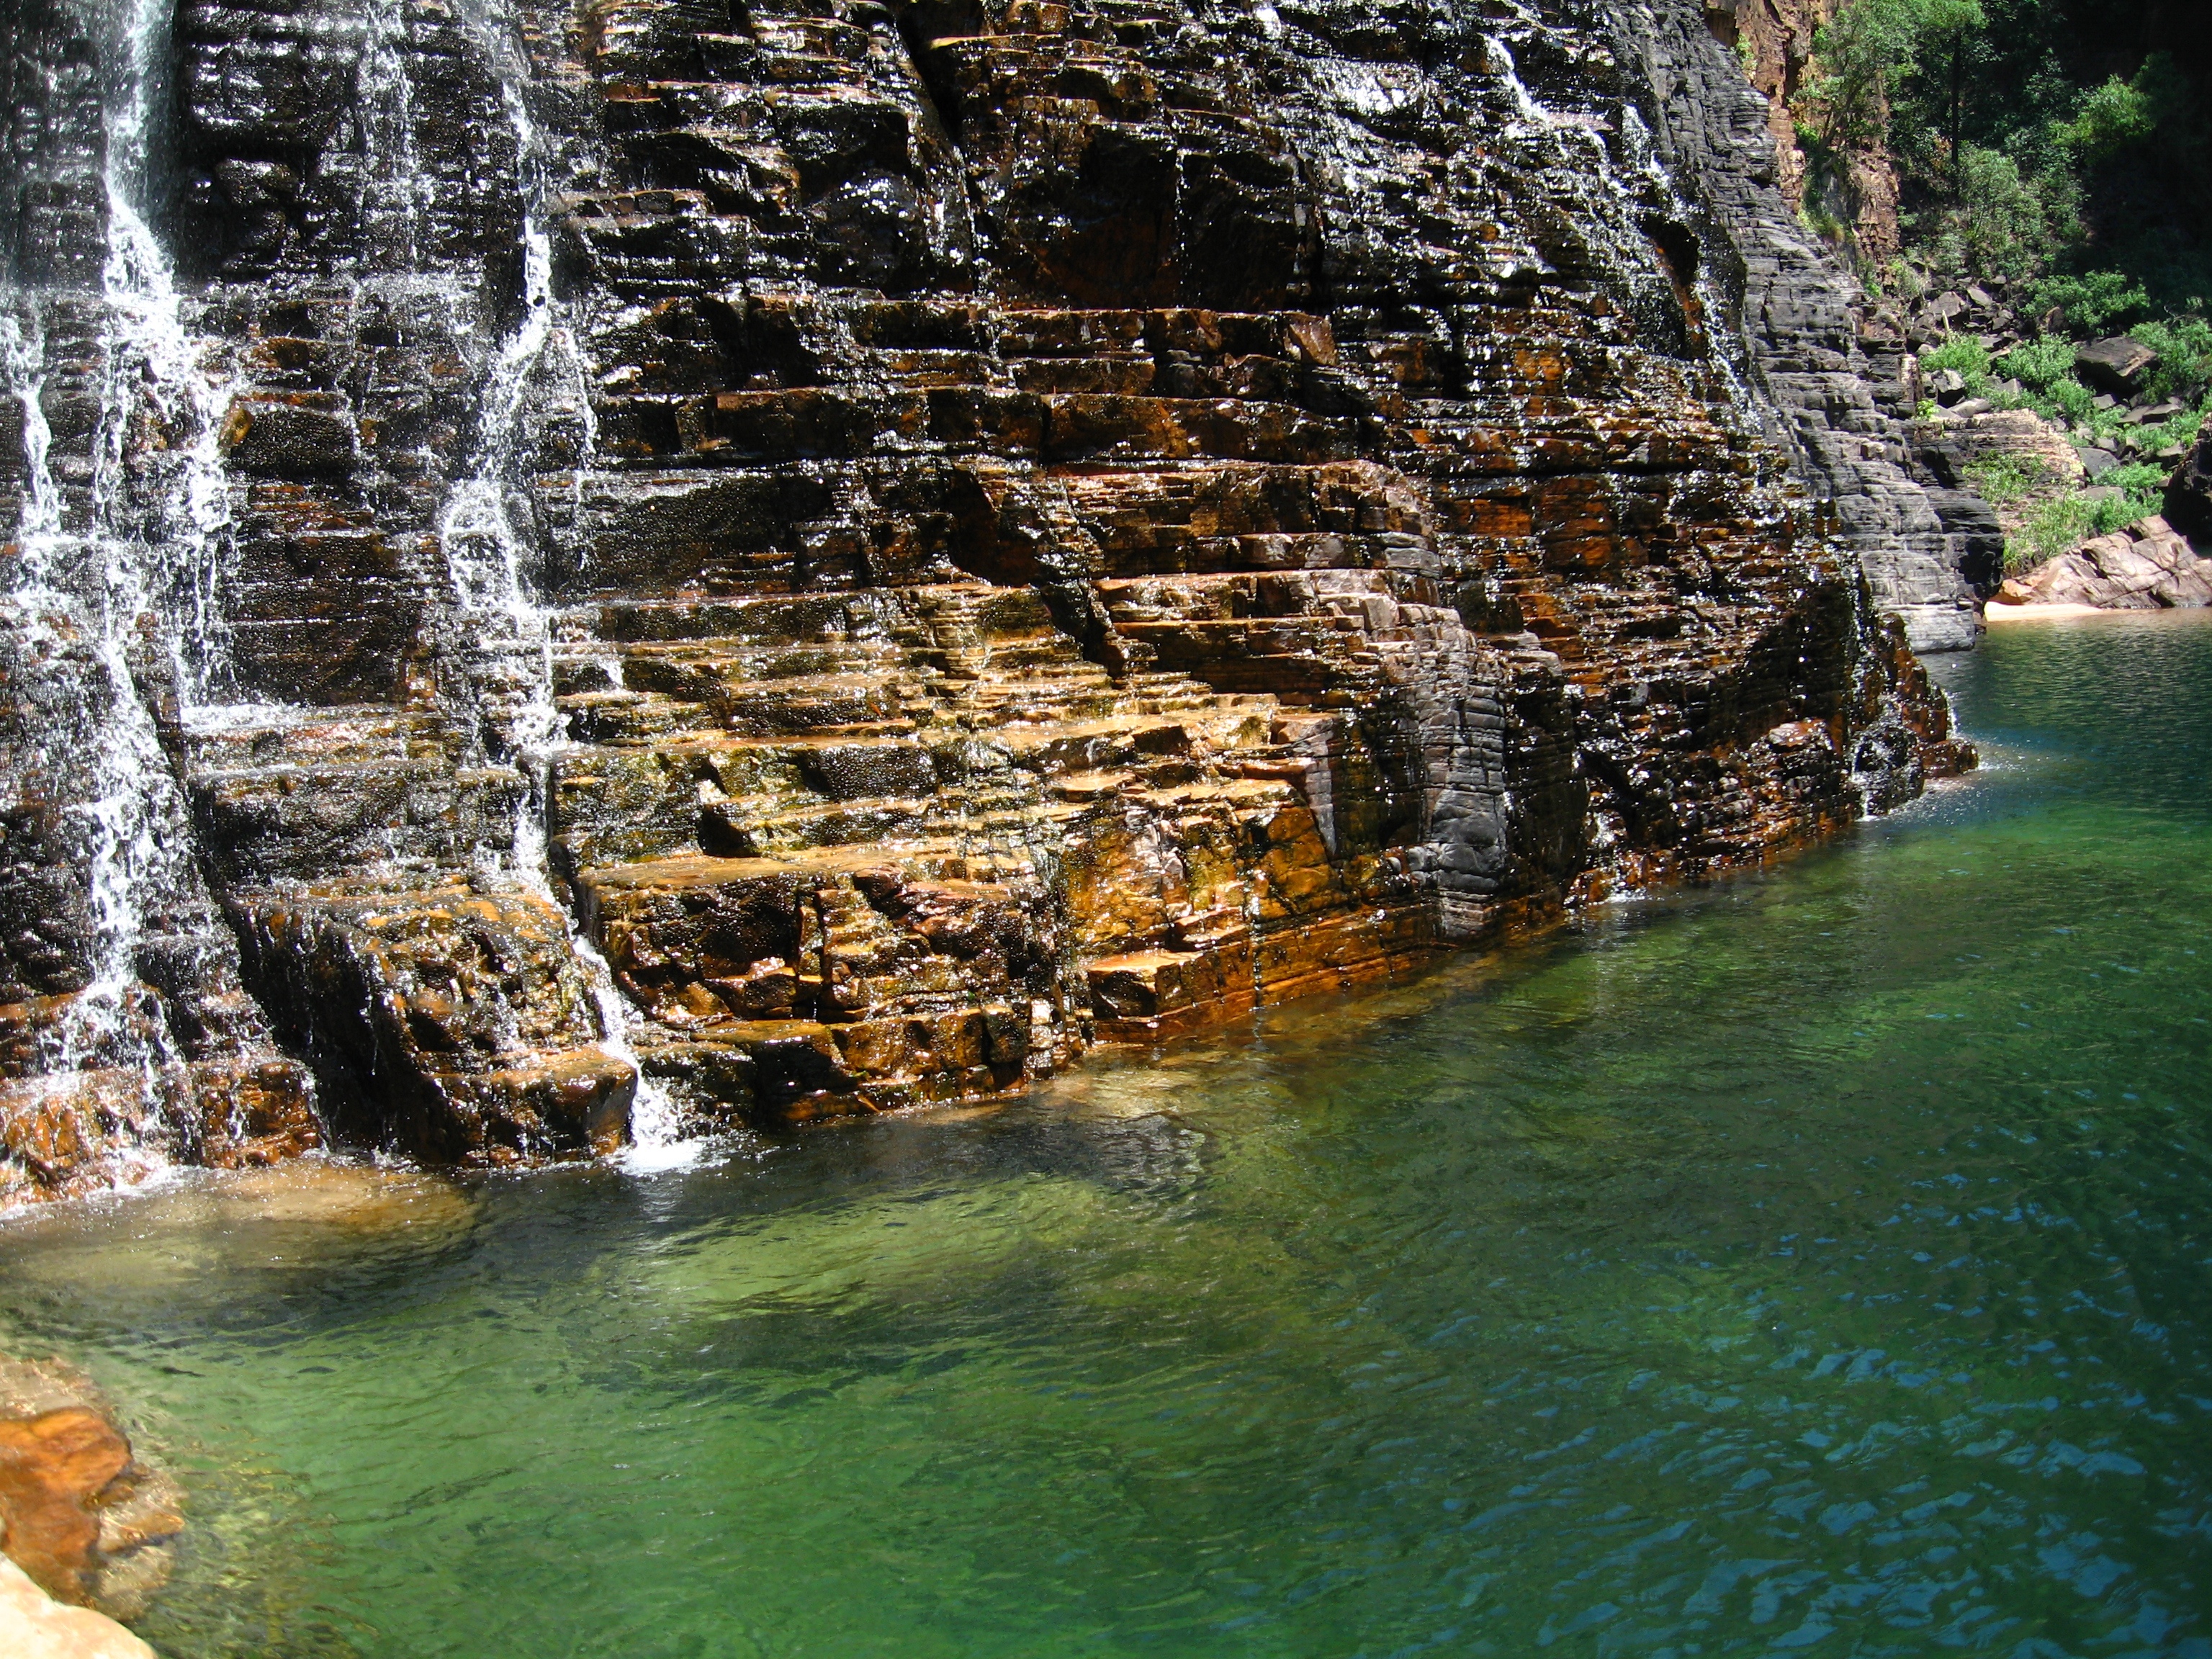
x=2064 y=144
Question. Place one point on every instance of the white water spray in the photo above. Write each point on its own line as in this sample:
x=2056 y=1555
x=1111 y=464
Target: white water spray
x=488 y=555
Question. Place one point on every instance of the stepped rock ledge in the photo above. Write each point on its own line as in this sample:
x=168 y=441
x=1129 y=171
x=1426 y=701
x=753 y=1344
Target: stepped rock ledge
x=590 y=571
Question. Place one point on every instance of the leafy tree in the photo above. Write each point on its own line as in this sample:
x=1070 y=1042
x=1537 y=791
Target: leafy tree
x=2020 y=151
x=1868 y=51
x=2093 y=302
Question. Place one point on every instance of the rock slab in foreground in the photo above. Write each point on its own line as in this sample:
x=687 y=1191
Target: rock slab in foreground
x=34 y=1626
x=2145 y=566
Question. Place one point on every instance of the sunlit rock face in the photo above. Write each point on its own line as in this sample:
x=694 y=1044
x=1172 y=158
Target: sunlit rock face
x=587 y=573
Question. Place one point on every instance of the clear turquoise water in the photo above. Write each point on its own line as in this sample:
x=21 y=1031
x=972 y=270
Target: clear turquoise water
x=1821 y=1261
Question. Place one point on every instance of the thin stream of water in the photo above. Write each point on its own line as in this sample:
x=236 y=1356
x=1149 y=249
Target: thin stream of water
x=138 y=579
x=489 y=557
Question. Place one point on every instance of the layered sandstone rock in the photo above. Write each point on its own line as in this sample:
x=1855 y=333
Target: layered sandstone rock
x=801 y=559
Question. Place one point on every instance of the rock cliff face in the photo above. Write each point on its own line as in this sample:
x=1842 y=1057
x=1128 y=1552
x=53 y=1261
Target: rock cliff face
x=584 y=572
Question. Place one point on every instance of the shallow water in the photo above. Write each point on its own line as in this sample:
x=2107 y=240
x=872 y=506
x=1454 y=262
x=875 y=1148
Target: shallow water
x=1819 y=1261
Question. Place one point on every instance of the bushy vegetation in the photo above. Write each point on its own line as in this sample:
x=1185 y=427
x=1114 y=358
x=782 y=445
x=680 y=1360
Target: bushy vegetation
x=2022 y=155
x=2094 y=303
x=2055 y=527
x=2058 y=152
x=2004 y=480
x=2060 y=522
x=2183 y=372
x=2141 y=491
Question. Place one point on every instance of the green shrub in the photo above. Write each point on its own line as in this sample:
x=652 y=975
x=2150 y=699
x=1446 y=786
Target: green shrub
x=2182 y=429
x=2142 y=490
x=2056 y=526
x=1862 y=57
x=2001 y=480
x=2183 y=344
x=2072 y=403
x=1967 y=356
x=2040 y=363
x=2094 y=302
x=1963 y=352
x=2064 y=522
x=2109 y=118
x=2005 y=223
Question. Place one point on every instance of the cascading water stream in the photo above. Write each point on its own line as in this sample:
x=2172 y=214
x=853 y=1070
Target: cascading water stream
x=393 y=199
x=488 y=557
x=116 y=586
x=176 y=549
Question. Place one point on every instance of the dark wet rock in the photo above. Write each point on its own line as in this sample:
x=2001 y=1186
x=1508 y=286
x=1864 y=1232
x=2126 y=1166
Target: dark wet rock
x=992 y=526
x=1836 y=392
x=2188 y=506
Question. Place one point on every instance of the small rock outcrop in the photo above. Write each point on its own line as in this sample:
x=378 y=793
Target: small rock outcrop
x=697 y=564
x=2116 y=365
x=2145 y=566
x=2189 y=492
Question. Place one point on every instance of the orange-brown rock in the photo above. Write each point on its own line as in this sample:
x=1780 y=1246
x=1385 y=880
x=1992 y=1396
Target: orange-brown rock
x=809 y=557
x=91 y=1525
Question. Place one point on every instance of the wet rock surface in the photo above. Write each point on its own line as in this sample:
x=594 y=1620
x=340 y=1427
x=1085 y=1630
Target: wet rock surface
x=91 y=1525
x=734 y=565
x=2188 y=494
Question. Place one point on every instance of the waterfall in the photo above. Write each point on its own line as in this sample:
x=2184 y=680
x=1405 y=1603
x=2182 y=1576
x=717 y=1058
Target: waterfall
x=392 y=198
x=115 y=595
x=174 y=556
x=487 y=558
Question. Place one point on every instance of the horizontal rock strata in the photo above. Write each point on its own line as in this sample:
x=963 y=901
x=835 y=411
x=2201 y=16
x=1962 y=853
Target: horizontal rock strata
x=790 y=560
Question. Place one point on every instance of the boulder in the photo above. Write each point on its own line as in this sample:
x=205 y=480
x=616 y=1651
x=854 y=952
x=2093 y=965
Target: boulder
x=2145 y=566
x=2189 y=492
x=82 y=1518
x=2116 y=365
x=34 y=1626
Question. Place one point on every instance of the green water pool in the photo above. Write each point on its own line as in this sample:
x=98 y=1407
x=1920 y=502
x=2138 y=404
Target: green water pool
x=1818 y=1262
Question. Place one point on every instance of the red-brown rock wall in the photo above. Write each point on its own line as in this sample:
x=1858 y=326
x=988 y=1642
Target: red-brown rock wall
x=774 y=562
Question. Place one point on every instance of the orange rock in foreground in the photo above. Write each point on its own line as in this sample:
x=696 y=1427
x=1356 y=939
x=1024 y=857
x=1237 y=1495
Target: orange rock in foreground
x=82 y=1516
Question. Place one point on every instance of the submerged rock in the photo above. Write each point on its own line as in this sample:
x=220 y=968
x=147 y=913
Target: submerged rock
x=82 y=1518
x=807 y=559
